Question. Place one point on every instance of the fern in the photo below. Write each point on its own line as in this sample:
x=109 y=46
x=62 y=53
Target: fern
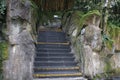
x=80 y=20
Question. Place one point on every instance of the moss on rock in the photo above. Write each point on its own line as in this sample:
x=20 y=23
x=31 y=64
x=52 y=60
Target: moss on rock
x=113 y=32
x=3 y=56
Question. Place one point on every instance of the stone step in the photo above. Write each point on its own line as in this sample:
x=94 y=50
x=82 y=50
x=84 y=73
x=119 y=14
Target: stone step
x=55 y=70
x=51 y=36
x=43 y=39
x=52 y=46
x=57 y=75
x=54 y=54
x=61 y=78
x=54 y=58
x=42 y=47
x=55 y=63
x=46 y=68
x=51 y=33
x=53 y=43
x=54 y=50
x=55 y=35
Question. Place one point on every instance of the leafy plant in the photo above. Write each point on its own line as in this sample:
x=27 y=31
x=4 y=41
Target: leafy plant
x=2 y=6
x=114 y=13
x=83 y=17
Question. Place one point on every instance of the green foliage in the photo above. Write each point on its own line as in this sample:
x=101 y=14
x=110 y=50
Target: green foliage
x=87 y=15
x=3 y=56
x=111 y=35
x=114 y=13
x=81 y=17
x=88 y=5
x=2 y=6
x=113 y=8
x=113 y=30
x=35 y=11
x=84 y=17
x=45 y=16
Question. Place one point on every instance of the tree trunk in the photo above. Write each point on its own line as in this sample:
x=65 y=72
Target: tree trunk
x=21 y=45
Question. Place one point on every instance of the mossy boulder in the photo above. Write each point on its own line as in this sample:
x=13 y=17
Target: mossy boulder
x=113 y=32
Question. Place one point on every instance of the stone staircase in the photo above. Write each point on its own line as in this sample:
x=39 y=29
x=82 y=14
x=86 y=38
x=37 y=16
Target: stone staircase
x=53 y=59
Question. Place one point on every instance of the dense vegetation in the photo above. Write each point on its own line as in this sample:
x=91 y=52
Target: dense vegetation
x=110 y=9
x=110 y=12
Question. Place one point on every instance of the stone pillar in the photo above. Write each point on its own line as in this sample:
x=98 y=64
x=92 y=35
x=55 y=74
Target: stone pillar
x=21 y=44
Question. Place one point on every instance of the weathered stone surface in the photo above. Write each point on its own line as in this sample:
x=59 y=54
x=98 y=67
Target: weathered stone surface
x=93 y=63
x=19 y=36
x=93 y=37
x=115 y=61
x=19 y=65
x=20 y=9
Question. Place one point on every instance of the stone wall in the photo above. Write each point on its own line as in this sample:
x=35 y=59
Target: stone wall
x=21 y=50
x=87 y=44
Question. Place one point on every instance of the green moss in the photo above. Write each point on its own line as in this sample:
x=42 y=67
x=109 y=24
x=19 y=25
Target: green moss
x=112 y=32
x=108 y=71
x=97 y=77
x=3 y=55
x=116 y=72
x=112 y=72
x=4 y=50
x=107 y=67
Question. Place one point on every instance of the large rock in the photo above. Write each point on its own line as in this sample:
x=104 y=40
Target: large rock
x=91 y=41
x=86 y=44
x=21 y=51
x=115 y=61
x=93 y=37
x=93 y=62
